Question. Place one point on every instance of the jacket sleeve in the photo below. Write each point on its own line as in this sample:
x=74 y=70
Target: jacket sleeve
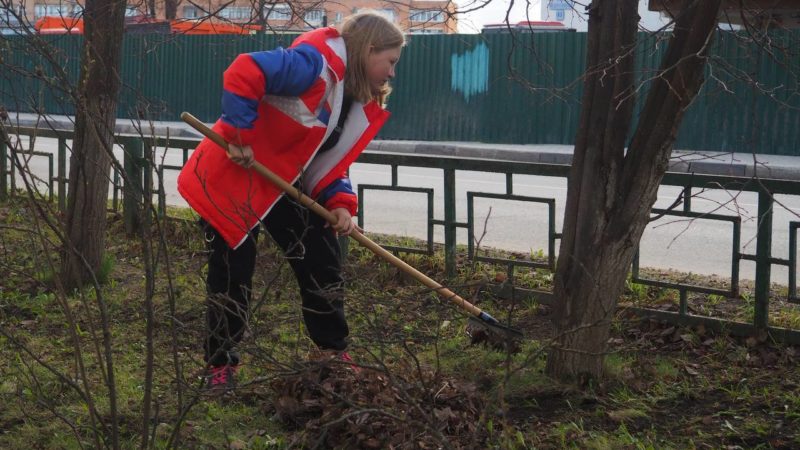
x=288 y=72
x=339 y=194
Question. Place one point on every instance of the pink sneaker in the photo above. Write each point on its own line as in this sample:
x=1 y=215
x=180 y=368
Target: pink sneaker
x=222 y=377
x=344 y=356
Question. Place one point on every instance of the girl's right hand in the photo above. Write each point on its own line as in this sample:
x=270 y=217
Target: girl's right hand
x=242 y=156
x=345 y=224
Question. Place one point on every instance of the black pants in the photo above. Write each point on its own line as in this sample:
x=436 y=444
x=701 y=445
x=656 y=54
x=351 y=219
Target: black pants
x=314 y=254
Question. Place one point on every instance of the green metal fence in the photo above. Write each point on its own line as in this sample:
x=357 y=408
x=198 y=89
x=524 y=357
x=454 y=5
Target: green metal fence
x=139 y=172
x=522 y=89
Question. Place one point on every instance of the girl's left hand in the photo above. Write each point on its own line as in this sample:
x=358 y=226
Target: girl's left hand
x=344 y=222
x=242 y=156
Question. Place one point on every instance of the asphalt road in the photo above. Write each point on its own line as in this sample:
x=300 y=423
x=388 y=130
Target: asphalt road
x=699 y=246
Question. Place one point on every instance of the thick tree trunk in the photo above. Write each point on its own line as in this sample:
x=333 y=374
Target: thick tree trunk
x=91 y=151
x=585 y=274
x=171 y=9
x=610 y=194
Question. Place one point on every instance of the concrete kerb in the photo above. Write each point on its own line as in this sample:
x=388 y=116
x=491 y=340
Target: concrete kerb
x=709 y=163
x=549 y=154
x=737 y=164
x=125 y=127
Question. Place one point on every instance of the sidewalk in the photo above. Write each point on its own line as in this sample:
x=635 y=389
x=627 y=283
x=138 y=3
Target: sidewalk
x=686 y=161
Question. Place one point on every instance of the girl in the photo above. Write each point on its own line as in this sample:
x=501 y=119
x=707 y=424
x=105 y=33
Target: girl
x=306 y=113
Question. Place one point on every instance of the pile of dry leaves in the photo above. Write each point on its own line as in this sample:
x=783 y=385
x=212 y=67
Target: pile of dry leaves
x=339 y=407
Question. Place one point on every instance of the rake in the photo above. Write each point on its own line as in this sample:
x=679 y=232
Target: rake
x=478 y=317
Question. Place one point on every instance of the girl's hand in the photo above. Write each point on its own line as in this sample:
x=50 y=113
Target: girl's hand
x=242 y=156
x=344 y=222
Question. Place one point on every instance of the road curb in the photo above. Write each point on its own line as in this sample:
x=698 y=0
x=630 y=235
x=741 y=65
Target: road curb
x=708 y=163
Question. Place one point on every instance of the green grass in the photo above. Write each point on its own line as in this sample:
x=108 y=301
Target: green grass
x=656 y=394
x=616 y=365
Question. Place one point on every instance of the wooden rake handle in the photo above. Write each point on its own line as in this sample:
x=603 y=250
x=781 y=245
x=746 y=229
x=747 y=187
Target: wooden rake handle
x=309 y=203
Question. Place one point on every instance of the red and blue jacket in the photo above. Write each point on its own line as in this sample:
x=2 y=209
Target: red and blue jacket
x=284 y=103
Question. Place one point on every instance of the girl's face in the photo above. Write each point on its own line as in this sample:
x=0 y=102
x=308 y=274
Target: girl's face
x=380 y=67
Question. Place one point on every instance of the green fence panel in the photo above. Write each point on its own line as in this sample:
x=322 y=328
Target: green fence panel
x=732 y=114
x=38 y=73
x=501 y=88
x=495 y=88
x=165 y=74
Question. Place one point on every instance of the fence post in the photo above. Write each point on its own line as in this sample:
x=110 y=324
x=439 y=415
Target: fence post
x=450 y=222
x=763 y=258
x=62 y=174
x=3 y=170
x=793 y=226
x=132 y=191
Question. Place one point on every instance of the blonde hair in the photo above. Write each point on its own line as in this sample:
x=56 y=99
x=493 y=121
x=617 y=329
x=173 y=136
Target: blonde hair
x=363 y=33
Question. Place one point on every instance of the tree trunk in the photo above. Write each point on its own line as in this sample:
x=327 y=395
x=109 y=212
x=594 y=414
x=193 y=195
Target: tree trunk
x=90 y=161
x=610 y=194
x=171 y=9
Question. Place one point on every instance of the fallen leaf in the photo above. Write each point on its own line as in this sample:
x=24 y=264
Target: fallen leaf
x=238 y=445
x=287 y=406
x=372 y=443
x=443 y=414
x=257 y=433
x=769 y=358
x=691 y=371
x=753 y=361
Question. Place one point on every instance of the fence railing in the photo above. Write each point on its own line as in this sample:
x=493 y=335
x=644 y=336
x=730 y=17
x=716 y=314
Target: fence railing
x=140 y=172
x=521 y=89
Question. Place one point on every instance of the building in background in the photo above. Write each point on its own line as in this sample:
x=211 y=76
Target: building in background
x=10 y=22
x=429 y=16
x=657 y=14
x=525 y=27
x=414 y=16
x=573 y=15
x=759 y=14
